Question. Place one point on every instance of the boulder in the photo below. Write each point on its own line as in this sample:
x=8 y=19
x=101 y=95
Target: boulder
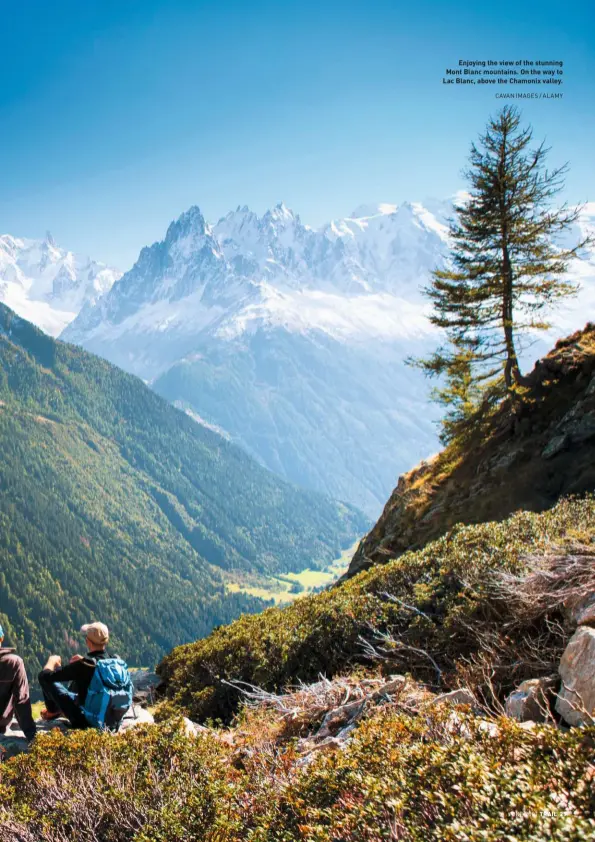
x=582 y=612
x=586 y=617
x=135 y=716
x=13 y=741
x=576 y=700
x=193 y=729
x=462 y=696
x=555 y=446
x=530 y=701
x=145 y=685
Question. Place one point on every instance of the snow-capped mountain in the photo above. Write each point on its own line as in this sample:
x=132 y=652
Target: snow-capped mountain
x=47 y=285
x=291 y=340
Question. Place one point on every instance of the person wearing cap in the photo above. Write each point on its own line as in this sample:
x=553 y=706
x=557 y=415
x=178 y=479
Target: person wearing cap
x=14 y=692
x=68 y=701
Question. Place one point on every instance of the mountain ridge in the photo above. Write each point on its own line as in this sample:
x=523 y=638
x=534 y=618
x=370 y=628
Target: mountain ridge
x=116 y=505
x=47 y=284
x=291 y=340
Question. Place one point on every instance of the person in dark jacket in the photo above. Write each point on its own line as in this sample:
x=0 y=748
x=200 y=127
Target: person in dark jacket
x=69 y=701
x=14 y=692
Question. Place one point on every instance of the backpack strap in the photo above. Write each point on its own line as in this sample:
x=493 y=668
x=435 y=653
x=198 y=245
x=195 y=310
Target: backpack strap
x=103 y=710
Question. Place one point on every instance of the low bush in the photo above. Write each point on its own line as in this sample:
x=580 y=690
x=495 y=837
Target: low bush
x=446 y=601
x=411 y=778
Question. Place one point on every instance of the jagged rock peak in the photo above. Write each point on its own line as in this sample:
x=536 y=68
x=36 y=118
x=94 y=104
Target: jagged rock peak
x=191 y=221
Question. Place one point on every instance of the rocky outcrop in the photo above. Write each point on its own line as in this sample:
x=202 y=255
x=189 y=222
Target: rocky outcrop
x=461 y=696
x=531 y=701
x=576 y=700
x=525 y=461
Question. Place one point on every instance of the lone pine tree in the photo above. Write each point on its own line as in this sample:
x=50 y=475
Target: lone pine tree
x=506 y=268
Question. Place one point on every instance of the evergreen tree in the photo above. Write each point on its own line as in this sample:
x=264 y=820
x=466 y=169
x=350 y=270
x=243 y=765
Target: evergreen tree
x=506 y=268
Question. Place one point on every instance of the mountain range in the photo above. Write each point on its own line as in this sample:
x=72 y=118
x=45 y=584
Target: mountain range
x=115 y=505
x=290 y=341
x=47 y=284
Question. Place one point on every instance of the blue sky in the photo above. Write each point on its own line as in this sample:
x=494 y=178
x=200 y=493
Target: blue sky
x=116 y=115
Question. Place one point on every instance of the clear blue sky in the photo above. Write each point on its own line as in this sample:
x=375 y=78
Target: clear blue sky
x=116 y=115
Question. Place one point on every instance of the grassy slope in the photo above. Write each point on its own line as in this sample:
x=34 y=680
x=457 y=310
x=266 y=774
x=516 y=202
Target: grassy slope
x=115 y=505
x=449 y=580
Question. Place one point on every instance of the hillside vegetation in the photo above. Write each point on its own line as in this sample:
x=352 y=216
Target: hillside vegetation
x=115 y=505
x=438 y=601
x=513 y=460
x=406 y=777
x=327 y=720
x=360 y=758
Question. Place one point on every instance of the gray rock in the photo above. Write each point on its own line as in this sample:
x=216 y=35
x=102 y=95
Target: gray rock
x=555 y=446
x=582 y=613
x=192 y=729
x=394 y=687
x=576 y=700
x=136 y=716
x=530 y=701
x=14 y=742
x=145 y=685
x=583 y=429
x=587 y=615
x=462 y=696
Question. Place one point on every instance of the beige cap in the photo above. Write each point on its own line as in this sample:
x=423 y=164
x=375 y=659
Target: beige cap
x=97 y=633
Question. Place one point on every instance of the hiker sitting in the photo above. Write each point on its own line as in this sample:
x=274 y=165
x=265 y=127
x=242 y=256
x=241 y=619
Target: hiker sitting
x=99 y=691
x=14 y=692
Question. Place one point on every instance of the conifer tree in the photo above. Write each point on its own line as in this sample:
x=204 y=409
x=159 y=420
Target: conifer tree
x=506 y=268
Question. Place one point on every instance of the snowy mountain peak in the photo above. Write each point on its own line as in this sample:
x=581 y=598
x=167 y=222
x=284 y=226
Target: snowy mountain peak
x=281 y=211
x=47 y=284
x=190 y=223
x=366 y=210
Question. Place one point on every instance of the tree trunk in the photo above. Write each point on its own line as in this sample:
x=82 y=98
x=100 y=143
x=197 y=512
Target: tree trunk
x=512 y=372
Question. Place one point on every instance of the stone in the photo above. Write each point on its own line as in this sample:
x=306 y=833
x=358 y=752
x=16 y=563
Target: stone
x=587 y=615
x=462 y=696
x=489 y=728
x=577 y=670
x=530 y=701
x=338 y=718
x=555 y=446
x=577 y=608
x=14 y=742
x=193 y=729
x=583 y=612
x=145 y=684
x=394 y=687
x=135 y=716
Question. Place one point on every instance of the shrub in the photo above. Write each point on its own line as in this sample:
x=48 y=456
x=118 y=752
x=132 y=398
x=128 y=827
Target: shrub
x=447 y=605
x=402 y=777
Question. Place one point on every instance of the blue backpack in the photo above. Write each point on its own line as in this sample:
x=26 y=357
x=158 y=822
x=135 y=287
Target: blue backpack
x=109 y=695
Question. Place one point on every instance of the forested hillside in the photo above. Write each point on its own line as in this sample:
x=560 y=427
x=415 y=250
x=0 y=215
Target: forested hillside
x=115 y=505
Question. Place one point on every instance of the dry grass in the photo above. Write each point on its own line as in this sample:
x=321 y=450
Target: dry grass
x=553 y=582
